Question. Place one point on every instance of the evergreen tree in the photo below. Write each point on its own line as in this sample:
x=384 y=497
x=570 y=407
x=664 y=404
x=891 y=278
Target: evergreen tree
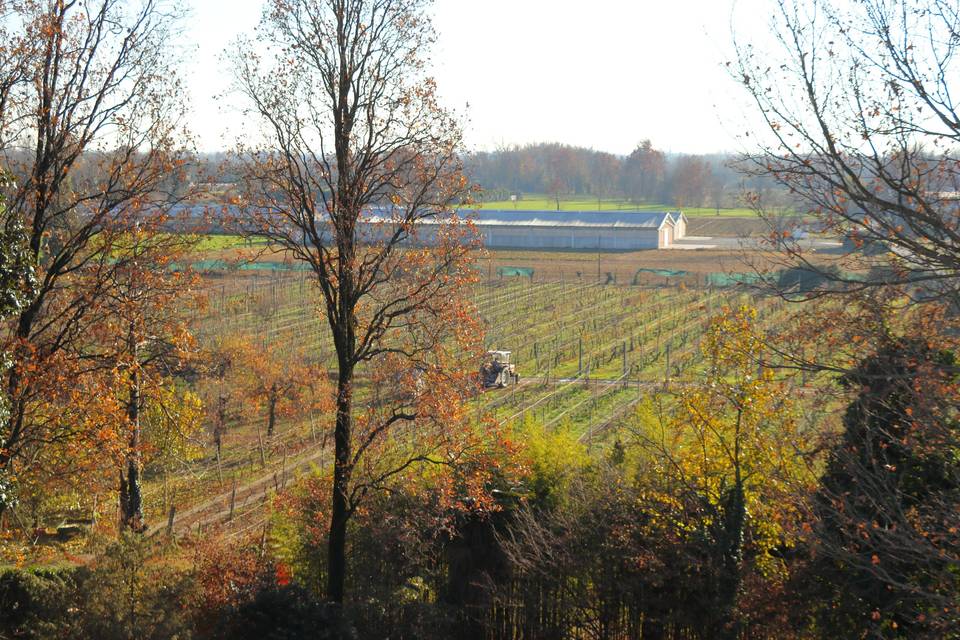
x=886 y=531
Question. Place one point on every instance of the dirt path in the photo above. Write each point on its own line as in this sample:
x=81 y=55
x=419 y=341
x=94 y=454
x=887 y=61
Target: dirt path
x=238 y=499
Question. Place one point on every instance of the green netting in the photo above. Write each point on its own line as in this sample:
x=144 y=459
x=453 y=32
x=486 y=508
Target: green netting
x=223 y=265
x=511 y=272
x=732 y=279
x=275 y=266
x=666 y=273
x=797 y=279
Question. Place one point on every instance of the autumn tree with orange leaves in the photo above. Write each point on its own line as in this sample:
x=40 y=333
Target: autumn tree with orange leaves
x=359 y=161
x=89 y=112
x=282 y=380
x=147 y=340
x=255 y=376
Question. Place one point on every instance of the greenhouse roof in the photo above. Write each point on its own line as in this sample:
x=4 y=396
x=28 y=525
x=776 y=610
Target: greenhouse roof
x=565 y=219
x=615 y=219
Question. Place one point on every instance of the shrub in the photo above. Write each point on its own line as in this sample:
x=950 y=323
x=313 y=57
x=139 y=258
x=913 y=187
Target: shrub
x=285 y=612
x=41 y=603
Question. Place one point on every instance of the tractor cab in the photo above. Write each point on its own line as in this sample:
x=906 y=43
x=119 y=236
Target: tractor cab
x=497 y=370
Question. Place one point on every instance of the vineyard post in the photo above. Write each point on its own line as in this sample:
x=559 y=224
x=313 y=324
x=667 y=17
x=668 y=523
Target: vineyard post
x=598 y=258
x=643 y=341
x=580 y=356
x=233 y=497
x=666 y=373
x=624 y=353
x=263 y=460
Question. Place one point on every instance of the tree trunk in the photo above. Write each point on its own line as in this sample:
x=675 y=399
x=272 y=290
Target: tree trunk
x=734 y=520
x=337 y=560
x=15 y=397
x=272 y=410
x=733 y=512
x=221 y=424
x=131 y=496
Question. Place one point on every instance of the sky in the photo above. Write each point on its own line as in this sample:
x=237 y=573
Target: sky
x=604 y=74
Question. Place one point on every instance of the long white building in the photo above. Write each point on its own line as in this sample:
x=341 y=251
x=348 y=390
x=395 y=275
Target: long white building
x=514 y=229
x=614 y=230
x=572 y=230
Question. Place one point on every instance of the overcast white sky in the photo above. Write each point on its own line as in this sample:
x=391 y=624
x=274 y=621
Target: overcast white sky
x=603 y=74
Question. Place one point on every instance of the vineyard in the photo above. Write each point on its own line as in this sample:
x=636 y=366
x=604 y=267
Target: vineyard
x=586 y=354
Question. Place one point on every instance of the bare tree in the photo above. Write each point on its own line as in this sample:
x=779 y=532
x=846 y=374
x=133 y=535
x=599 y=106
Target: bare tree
x=862 y=129
x=89 y=113
x=643 y=173
x=357 y=164
x=604 y=172
x=690 y=181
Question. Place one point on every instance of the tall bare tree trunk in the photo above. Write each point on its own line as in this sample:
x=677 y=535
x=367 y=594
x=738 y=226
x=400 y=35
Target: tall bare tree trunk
x=342 y=325
x=336 y=551
x=378 y=150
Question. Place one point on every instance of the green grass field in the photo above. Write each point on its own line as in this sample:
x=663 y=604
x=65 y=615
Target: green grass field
x=220 y=242
x=535 y=202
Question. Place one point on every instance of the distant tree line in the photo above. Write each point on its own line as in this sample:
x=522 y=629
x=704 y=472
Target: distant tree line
x=646 y=176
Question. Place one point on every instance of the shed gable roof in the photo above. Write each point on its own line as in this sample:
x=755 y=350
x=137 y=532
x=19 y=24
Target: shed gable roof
x=575 y=219
x=547 y=219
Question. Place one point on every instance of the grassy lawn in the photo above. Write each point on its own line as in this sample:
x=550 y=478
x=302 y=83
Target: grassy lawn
x=536 y=202
x=219 y=242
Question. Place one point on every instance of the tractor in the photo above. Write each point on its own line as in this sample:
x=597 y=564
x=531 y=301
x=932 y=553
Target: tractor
x=497 y=371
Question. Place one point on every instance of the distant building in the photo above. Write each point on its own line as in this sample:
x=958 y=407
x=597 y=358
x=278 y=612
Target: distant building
x=572 y=230
x=565 y=230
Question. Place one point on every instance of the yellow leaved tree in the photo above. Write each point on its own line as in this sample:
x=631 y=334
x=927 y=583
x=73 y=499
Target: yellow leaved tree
x=723 y=454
